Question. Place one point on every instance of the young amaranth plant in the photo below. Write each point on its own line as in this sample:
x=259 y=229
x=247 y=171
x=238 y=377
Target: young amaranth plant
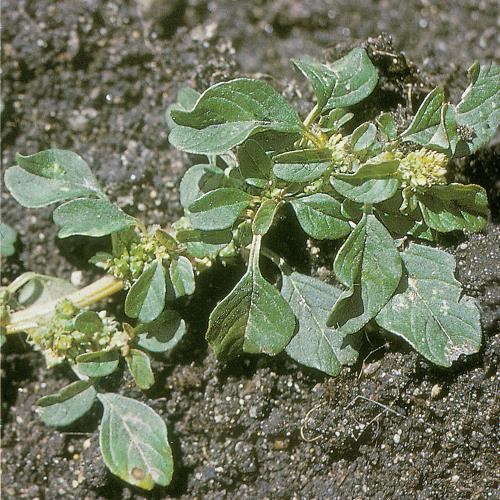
x=381 y=189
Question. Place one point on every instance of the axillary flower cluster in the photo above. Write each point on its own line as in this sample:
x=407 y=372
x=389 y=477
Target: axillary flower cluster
x=421 y=169
x=71 y=332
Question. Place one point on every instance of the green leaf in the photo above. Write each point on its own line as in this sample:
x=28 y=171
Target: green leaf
x=344 y=83
x=3 y=339
x=146 y=299
x=8 y=238
x=186 y=99
x=365 y=190
x=87 y=322
x=67 y=405
x=197 y=181
x=427 y=310
x=218 y=209
x=98 y=364
x=388 y=126
x=427 y=119
x=264 y=217
x=315 y=345
x=320 y=77
x=479 y=107
x=139 y=365
x=90 y=217
x=300 y=172
x=253 y=318
x=201 y=244
x=50 y=176
x=181 y=277
x=253 y=161
x=228 y=113
x=363 y=137
x=335 y=119
x=134 y=442
x=455 y=207
x=162 y=334
x=356 y=79
x=302 y=165
x=320 y=216
x=372 y=169
x=370 y=266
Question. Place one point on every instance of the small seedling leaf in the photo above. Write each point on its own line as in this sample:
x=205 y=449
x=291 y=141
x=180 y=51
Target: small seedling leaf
x=320 y=216
x=146 y=299
x=387 y=125
x=139 y=365
x=98 y=364
x=134 y=442
x=218 y=209
x=316 y=345
x=68 y=405
x=427 y=310
x=90 y=217
x=363 y=137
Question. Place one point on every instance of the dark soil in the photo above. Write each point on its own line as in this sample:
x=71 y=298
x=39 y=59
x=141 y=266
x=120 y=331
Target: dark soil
x=95 y=77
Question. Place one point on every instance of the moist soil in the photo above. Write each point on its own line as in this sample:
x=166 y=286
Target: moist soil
x=96 y=77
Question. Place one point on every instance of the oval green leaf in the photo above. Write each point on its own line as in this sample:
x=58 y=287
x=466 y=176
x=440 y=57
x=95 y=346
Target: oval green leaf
x=146 y=299
x=139 y=365
x=162 y=334
x=218 y=209
x=198 y=180
x=370 y=266
x=253 y=318
x=228 y=113
x=67 y=405
x=90 y=217
x=50 y=176
x=320 y=216
x=181 y=276
x=428 y=310
x=98 y=364
x=316 y=345
x=134 y=442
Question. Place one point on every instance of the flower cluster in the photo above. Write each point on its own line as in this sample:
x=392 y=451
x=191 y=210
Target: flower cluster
x=60 y=340
x=422 y=169
x=130 y=264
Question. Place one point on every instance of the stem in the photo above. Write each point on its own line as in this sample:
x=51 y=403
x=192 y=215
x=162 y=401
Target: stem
x=311 y=116
x=253 y=261
x=29 y=318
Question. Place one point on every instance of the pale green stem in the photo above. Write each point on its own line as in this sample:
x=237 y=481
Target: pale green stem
x=29 y=318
